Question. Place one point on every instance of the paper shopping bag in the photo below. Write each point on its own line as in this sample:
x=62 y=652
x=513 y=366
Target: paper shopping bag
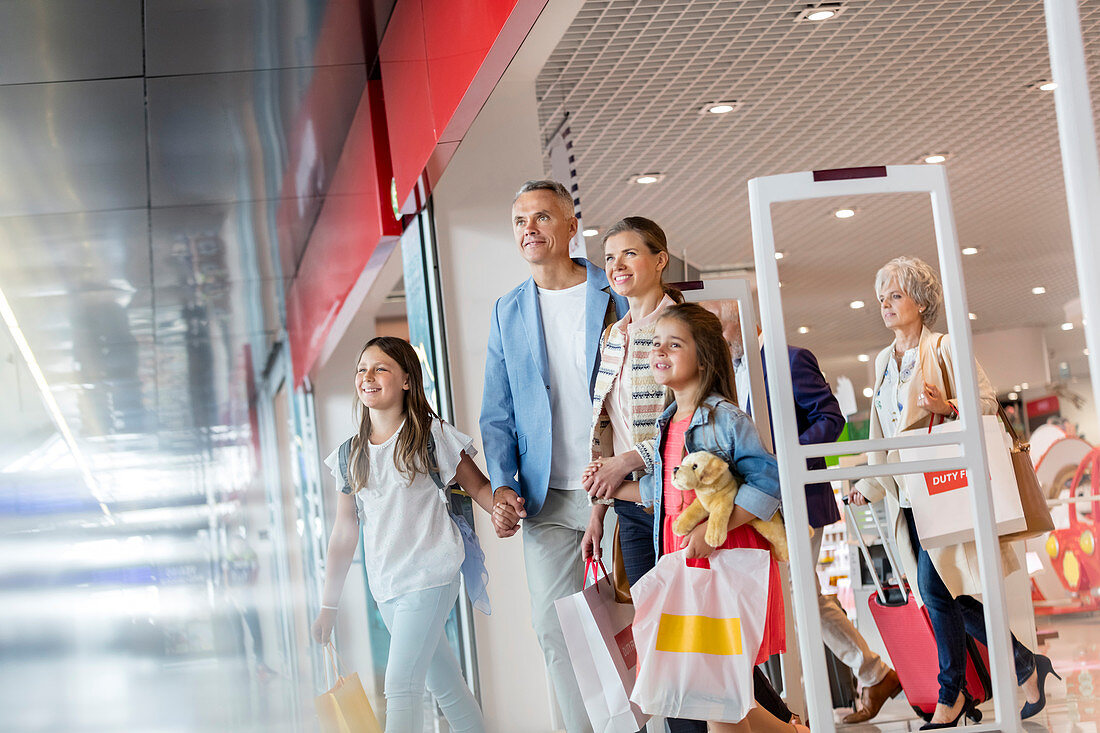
x=345 y=708
x=600 y=643
x=941 y=499
x=697 y=632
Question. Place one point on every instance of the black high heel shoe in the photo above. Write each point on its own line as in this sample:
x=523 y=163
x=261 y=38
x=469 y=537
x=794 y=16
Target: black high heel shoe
x=1043 y=667
x=969 y=709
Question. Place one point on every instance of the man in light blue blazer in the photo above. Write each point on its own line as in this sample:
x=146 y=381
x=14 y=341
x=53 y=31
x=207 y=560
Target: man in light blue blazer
x=536 y=412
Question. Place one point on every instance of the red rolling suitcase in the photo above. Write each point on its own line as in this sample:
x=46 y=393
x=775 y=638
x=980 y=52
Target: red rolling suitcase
x=907 y=633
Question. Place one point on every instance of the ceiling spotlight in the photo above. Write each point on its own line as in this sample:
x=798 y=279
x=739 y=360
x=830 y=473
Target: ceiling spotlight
x=1044 y=85
x=864 y=357
x=973 y=317
x=1023 y=386
x=590 y=232
x=856 y=304
x=646 y=178
x=820 y=11
x=779 y=255
x=1017 y=388
x=1067 y=326
x=844 y=213
x=970 y=250
x=868 y=392
x=1038 y=290
x=719 y=108
x=935 y=158
x=1085 y=352
x=803 y=329
x=1013 y=396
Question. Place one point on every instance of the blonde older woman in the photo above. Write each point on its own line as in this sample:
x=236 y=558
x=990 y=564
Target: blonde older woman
x=910 y=389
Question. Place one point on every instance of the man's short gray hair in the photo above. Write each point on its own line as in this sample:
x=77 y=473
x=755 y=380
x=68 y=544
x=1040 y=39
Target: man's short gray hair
x=545 y=184
x=918 y=280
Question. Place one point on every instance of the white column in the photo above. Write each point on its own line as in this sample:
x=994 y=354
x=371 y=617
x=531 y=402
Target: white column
x=1079 y=163
x=479 y=262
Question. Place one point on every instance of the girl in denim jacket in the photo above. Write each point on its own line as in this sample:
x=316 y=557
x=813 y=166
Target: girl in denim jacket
x=691 y=358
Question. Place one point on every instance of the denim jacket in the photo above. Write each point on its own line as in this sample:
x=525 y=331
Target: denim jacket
x=718 y=427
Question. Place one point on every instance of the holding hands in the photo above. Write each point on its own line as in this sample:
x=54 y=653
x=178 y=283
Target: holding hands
x=602 y=476
x=507 y=511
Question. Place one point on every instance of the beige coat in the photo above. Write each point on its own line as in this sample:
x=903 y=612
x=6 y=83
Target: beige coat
x=956 y=564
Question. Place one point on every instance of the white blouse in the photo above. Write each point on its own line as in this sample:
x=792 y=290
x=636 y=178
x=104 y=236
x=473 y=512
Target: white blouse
x=410 y=542
x=890 y=401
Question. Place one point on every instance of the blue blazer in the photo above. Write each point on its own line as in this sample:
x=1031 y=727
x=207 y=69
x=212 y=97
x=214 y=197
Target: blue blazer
x=819 y=421
x=516 y=427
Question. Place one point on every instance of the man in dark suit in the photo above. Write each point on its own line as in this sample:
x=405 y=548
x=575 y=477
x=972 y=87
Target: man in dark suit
x=819 y=421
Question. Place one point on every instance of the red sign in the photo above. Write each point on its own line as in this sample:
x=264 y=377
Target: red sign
x=940 y=482
x=1045 y=406
x=625 y=640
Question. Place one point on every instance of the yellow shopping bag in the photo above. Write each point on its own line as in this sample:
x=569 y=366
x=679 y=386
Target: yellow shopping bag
x=345 y=707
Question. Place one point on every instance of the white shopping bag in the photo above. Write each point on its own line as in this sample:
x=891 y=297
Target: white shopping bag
x=601 y=648
x=941 y=499
x=698 y=631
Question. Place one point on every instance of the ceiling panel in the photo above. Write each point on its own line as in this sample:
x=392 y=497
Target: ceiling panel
x=207 y=36
x=226 y=137
x=60 y=253
x=72 y=146
x=66 y=40
x=884 y=82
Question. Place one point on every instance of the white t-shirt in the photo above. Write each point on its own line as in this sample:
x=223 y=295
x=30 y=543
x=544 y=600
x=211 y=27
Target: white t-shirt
x=563 y=316
x=410 y=542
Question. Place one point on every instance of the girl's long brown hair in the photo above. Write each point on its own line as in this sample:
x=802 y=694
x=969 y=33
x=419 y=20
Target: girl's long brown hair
x=655 y=241
x=711 y=350
x=410 y=455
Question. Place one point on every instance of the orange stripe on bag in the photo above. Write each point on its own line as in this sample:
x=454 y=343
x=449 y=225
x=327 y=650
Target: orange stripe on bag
x=699 y=635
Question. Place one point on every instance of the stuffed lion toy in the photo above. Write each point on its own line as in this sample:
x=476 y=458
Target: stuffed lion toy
x=715 y=489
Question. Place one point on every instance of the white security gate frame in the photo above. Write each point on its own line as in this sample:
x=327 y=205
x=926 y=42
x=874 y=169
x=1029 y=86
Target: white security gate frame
x=793 y=474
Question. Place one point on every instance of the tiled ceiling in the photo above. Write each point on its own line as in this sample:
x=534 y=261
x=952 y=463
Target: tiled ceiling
x=885 y=81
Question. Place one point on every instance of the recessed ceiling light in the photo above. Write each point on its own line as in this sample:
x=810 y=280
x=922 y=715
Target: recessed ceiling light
x=1017 y=388
x=779 y=255
x=590 y=232
x=1085 y=352
x=935 y=158
x=1044 y=85
x=803 y=329
x=1023 y=386
x=864 y=357
x=719 y=108
x=820 y=11
x=646 y=178
x=973 y=317
x=856 y=304
x=844 y=213
x=970 y=250
x=1067 y=326
x=868 y=392
x=1013 y=396
x=1038 y=290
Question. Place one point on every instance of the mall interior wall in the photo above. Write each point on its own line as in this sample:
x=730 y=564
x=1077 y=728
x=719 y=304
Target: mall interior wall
x=479 y=262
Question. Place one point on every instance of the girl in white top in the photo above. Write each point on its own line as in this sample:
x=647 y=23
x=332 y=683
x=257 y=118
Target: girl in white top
x=412 y=549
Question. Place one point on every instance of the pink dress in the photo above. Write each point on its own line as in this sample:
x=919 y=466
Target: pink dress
x=674 y=501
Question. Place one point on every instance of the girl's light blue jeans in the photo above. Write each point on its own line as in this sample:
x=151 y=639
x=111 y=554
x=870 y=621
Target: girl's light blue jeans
x=421 y=657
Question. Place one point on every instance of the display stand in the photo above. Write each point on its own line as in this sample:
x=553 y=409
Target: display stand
x=794 y=475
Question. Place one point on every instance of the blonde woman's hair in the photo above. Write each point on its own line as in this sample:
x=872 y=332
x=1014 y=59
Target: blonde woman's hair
x=711 y=350
x=919 y=281
x=410 y=455
x=655 y=241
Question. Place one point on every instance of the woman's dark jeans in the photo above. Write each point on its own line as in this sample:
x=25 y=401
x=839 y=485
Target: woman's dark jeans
x=636 y=541
x=952 y=619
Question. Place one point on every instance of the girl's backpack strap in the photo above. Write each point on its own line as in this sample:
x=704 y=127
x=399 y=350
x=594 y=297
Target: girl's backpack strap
x=344 y=458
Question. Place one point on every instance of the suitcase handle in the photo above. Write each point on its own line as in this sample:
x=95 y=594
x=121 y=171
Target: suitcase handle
x=854 y=525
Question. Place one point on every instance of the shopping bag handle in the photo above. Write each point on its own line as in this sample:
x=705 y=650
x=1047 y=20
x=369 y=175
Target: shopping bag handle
x=592 y=564
x=333 y=660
